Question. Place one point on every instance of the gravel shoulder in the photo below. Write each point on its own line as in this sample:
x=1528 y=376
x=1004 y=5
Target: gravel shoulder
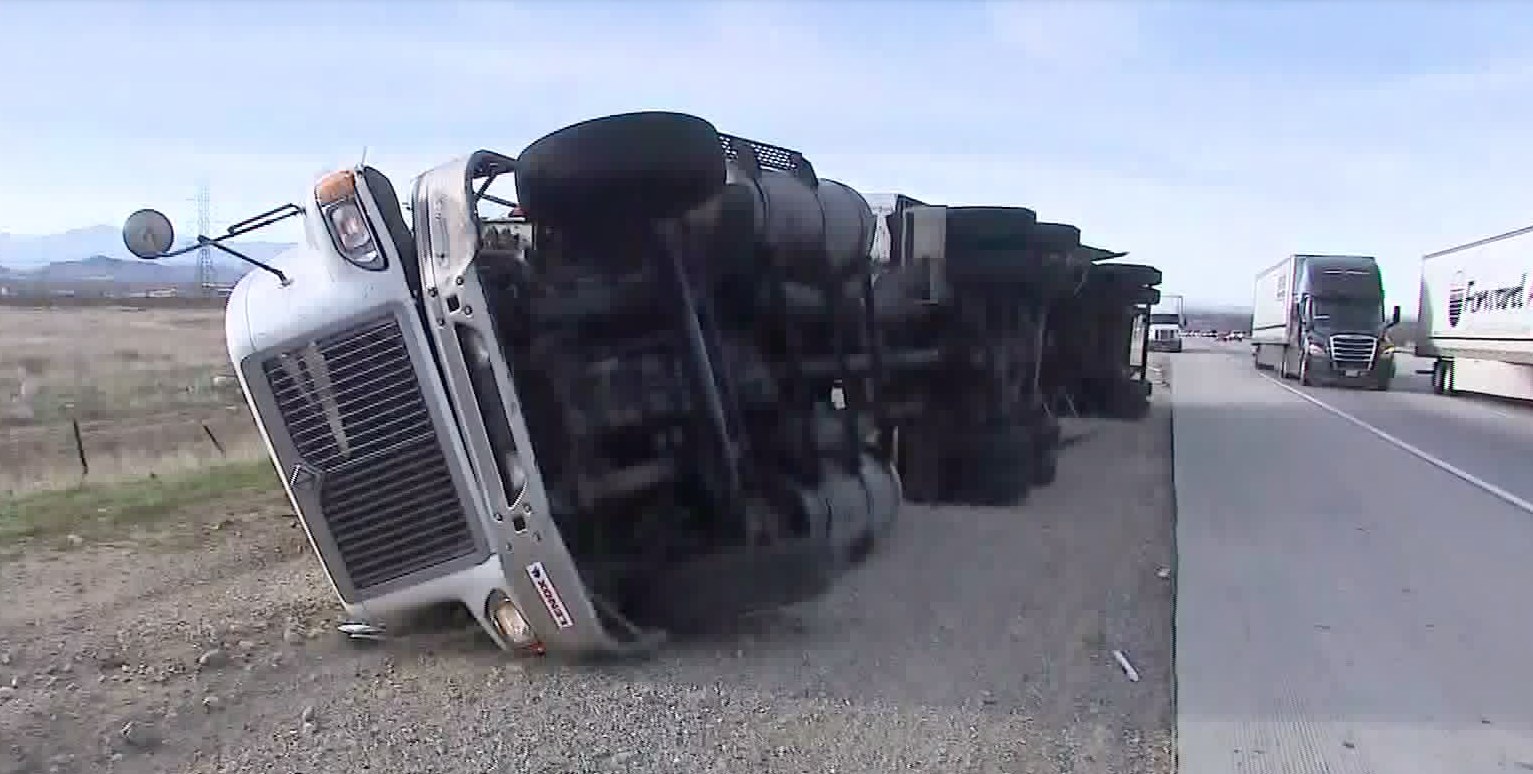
x=979 y=639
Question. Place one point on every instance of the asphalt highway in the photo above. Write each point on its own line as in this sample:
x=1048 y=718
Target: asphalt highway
x=1353 y=571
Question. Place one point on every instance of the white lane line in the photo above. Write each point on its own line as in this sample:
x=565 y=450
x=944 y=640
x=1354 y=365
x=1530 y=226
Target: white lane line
x=1466 y=476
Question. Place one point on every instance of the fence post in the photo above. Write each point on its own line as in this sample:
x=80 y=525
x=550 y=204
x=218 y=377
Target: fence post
x=80 y=448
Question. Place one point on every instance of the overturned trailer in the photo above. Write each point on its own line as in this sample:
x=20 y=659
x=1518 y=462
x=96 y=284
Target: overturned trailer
x=667 y=387
x=1096 y=361
x=989 y=277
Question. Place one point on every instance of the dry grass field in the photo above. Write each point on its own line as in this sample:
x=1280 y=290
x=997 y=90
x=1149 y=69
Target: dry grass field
x=146 y=386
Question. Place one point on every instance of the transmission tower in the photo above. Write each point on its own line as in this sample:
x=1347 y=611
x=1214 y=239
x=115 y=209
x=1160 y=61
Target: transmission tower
x=204 y=226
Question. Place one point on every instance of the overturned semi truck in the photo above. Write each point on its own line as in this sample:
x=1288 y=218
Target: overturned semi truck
x=1096 y=363
x=1031 y=324
x=668 y=387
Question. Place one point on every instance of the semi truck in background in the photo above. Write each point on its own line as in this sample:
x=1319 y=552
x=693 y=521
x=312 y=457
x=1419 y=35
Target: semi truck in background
x=1320 y=319
x=1166 y=323
x=1476 y=317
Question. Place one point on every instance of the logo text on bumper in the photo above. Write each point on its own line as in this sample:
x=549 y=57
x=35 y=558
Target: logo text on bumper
x=550 y=595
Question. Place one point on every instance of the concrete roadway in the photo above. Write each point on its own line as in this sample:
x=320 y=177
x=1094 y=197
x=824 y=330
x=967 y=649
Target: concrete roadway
x=1343 y=604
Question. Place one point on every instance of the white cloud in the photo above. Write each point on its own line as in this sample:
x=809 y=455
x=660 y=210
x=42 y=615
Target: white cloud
x=1069 y=35
x=1105 y=114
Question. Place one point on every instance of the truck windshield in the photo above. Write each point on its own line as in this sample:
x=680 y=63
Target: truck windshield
x=1165 y=319
x=1337 y=314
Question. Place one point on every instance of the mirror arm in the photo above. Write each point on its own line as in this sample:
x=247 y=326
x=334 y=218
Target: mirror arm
x=497 y=200
x=281 y=277
x=243 y=227
x=264 y=219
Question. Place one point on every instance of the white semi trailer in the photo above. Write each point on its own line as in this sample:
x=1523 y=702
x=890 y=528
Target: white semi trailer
x=1475 y=320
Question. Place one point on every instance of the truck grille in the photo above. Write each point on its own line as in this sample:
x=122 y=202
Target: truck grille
x=1353 y=350
x=354 y=411
x=1165 y=334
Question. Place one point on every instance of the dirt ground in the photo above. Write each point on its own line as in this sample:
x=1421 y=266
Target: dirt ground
x=978 y=639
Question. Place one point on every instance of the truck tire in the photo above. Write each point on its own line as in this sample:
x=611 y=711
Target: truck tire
x=992 y=266
x=920 y=451
x=1442 y=375
x=1129 y=401
x=1130 y=274
x=992 y=466
x=1006 y=245
x=1056 y=237
x=647 y=165
x=1008 y=228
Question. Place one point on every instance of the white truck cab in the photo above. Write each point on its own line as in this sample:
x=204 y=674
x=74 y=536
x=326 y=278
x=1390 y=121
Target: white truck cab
x=353 y=350
x=1166 y=322
x=341 y=363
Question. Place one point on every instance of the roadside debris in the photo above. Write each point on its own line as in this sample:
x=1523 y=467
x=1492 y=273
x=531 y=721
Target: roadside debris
x=1128 y=669
x=213 y=659
x=362 y=631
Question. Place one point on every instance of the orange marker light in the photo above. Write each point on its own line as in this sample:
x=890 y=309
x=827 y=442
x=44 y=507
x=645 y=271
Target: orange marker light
x=334 y=187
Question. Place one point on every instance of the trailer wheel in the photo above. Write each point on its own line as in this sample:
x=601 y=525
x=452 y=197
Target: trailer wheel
x=1006 y=245
x=992 y=466
x=976 y=267
x=646 y=165
x=1057 y=237
x=1008 y=228
x=919 y=452
x=1129 y=401
x=1134 y=274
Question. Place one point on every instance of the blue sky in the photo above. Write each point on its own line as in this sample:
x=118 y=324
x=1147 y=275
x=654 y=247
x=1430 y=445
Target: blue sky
x=1208 y=139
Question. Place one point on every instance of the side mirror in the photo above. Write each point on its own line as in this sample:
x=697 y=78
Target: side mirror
x=148 y=234
x=1394 y=317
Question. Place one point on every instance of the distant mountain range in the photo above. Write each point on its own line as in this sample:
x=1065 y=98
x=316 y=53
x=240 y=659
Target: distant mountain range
x=97 y=254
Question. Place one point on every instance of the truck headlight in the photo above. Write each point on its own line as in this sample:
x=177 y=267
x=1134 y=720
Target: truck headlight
x=508 y=621
x=353 y=236
x=1388 y=350
x=1317 y=350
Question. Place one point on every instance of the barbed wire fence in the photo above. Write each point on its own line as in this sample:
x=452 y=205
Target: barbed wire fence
x=73 y=448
